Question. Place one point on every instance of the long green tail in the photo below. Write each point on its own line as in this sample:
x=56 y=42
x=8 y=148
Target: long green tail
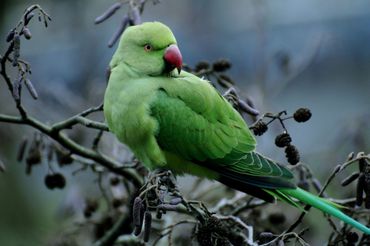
x=319 y=203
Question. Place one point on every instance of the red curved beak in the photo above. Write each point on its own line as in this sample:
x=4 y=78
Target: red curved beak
x=173 y=58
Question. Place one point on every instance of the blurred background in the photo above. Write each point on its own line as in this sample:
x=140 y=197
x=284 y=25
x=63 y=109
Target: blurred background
x=285 y=55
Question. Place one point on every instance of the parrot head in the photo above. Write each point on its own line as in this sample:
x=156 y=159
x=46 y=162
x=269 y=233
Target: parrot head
x=148 y=48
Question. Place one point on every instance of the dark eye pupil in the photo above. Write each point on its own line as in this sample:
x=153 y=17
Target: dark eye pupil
x=148 y=47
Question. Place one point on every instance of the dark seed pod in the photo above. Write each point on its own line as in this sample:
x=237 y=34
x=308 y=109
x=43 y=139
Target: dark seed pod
x=17 y=87
x=283 y=140
x=114 y=181
x=204 y=237
x=136 y=211
x=10 y=35
x=137 y=230
x=292 y=154
x=27 y=33
x=158 y=214
x=31 y=89
x=56 y=180
x=33 y=155
x=64 y=158
x=147 y=225
x=360 y=190
x=22 y=149
x=361 y=164
x=367 y=188
x=259 y=128
x=276 y=218
x=136 y=214
x=221 y=65
x=302 y=115
x=367 y=201
x=49 y=181
x=350 y=179
x=293 y=160
x=45 y=22
x=59 y=180
x=352 y=237
x=87 y=213
x=116 y=203
x=90 y=207
x=202 y=65
x=16 y=48
x=367 y=175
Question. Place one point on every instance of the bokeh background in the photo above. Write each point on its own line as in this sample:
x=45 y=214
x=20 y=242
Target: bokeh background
x=284 y=54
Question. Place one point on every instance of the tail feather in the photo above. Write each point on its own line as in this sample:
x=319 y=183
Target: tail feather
x=324 y=206
x=283 y=197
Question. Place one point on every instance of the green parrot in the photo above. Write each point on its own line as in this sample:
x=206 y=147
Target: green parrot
x=175 y=120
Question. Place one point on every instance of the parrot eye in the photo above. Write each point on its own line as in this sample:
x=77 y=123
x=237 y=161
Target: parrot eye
x=148 y=47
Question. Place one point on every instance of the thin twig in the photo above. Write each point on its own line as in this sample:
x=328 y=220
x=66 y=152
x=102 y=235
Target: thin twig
x=102 y=190
x=80 y=119
x=76 y=148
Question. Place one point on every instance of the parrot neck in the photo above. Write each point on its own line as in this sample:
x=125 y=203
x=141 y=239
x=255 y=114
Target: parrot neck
x=130 y=72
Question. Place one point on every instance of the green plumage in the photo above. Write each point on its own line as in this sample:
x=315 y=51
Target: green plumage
x=180 y=122
x=324 y=206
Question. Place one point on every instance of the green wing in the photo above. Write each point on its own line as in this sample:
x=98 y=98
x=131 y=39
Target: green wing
x=199 y=125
